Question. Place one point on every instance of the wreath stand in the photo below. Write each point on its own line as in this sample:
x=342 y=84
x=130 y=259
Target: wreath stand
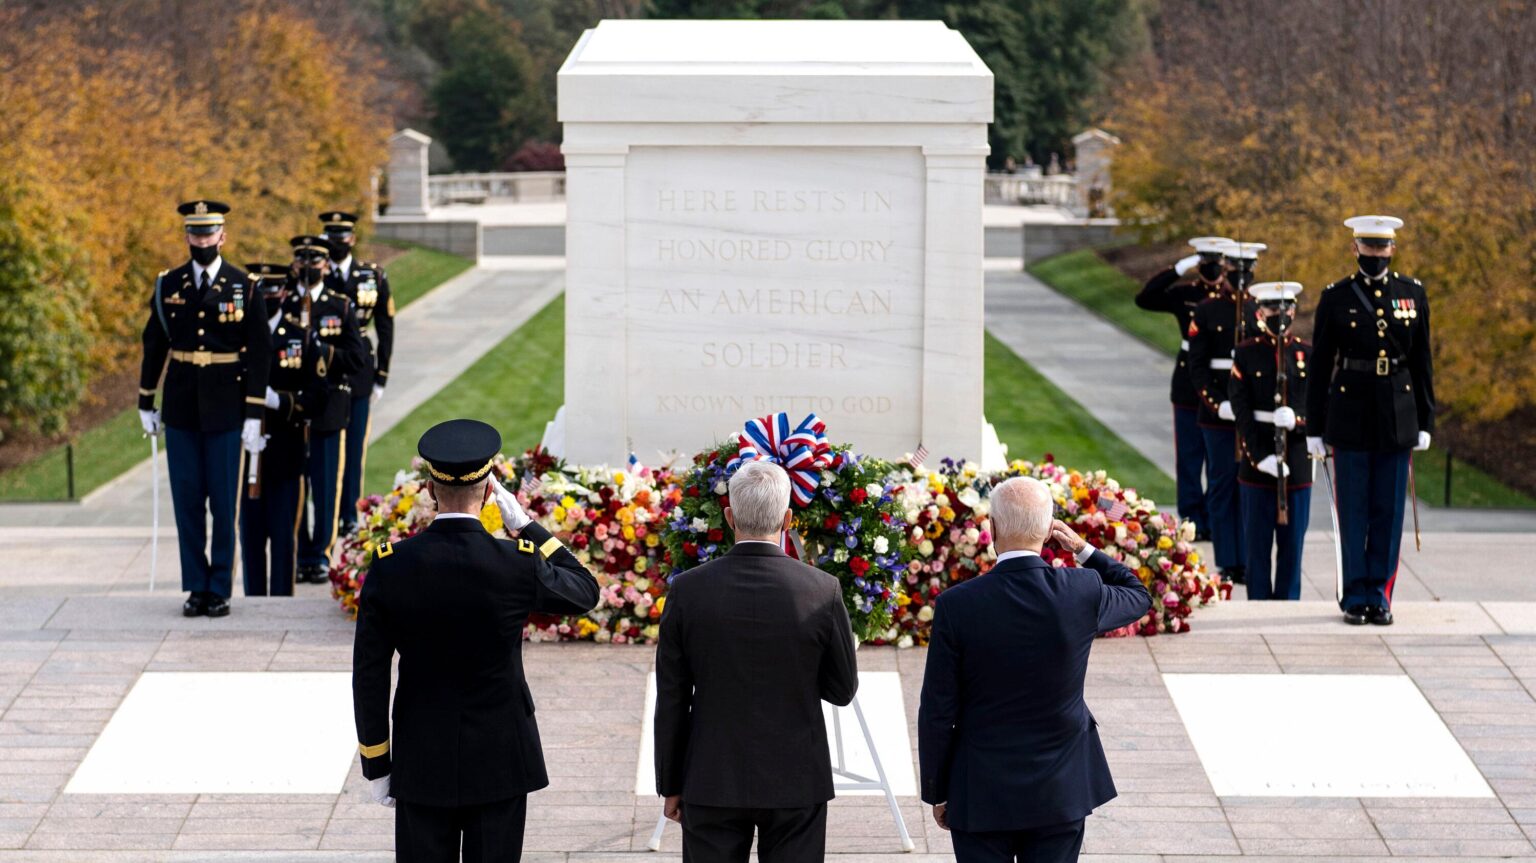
x=850 y=781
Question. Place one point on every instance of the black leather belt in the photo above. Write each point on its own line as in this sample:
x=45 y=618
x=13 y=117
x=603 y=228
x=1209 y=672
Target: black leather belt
x=1381 y=366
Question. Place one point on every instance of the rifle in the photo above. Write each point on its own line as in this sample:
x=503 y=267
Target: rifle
x=1282 y=515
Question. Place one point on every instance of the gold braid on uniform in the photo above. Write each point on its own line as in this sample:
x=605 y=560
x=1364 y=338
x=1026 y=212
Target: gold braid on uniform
x=468 y=477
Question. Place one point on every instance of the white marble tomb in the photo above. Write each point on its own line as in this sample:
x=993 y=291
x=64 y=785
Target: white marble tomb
x=773 y=215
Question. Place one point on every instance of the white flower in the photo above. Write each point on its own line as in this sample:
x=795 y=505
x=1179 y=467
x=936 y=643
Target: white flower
x=602 y=636
x=882 y=545
x=917 y=533
x=926 y=548
x=699 y=525
x=969 y=496
x=1132 y=562
x=721 y=487
x=1131 y=498
x=942 y=500
x=972 y=534
x=874 y=490
x=891 y=634
x=911 y=516
x=840 y=555
x=904 y=641
x=925 y=613
x=1187 y=531
x=642 y=584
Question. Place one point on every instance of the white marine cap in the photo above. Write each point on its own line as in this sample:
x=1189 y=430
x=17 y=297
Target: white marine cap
x=1374 y=227
x=1204 y=245
x=1275 y=292
x=1241 y=251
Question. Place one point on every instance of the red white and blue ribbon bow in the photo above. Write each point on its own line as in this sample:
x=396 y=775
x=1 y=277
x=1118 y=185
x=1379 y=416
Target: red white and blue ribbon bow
x=802 y=452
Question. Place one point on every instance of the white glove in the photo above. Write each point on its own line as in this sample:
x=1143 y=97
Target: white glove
x=379 y=789
x=151 y=422
x=1273 y=467
x=1285 y=418
x=252 y=437
x=378 y=393
x=512 y=514
x=1186 y=264
x=1224 y=410
x=1315 y=448
x=1423 y=442
x=273 y=401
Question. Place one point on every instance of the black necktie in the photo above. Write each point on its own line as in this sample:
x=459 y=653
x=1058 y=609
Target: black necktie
x=203 y=286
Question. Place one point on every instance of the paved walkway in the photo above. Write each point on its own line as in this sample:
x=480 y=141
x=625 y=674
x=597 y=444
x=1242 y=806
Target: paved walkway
x=436 y=338
x=1124 y=383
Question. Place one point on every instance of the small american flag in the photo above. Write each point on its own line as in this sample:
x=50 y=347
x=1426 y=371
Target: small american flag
x=1115 y=511
x=918 y=457
x=531 y=484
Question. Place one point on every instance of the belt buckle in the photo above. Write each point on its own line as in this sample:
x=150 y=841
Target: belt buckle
x=202 y=358
x=1383 y=366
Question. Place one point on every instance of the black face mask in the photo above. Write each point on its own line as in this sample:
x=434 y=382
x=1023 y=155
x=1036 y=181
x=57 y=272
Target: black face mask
x=1278 y=324
x=204 y=255
x=311 y=275
x=1210 y=270
x=1373 y=265
x=339 y=251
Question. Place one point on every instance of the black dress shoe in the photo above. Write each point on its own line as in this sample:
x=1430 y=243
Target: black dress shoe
x=194 y=606
x=1236 y=575
x=1379 y=616
x=1202 y=535
x=1356 y=615
x=217 y=606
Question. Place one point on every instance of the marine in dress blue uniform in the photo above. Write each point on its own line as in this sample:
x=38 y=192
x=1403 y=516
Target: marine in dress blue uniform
x=330 y=332
x=463 y=754
x=1264 y=402
x=1168 y=292
x=1215 y=328
x=269 y=517
x=367 y=285
x=208 y=321
x=1373 y=404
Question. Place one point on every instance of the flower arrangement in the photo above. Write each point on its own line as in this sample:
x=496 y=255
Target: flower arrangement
x=895 y=536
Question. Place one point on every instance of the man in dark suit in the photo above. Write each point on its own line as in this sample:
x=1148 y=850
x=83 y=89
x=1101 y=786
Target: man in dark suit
x=1010 y=754
x=751 y=644
x=452 y=601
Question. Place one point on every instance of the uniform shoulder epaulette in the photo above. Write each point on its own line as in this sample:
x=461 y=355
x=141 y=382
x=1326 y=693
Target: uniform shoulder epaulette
x=385 y=549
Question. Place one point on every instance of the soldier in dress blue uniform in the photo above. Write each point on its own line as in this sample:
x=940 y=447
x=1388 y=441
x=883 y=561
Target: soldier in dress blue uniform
x=367 y=285
x=1215 y=328
x=1373 y=406
x=270 y=514
x=1165 y=292
x=209 y=321
x=1264 y=402
x=329 y=331
x=453 y=600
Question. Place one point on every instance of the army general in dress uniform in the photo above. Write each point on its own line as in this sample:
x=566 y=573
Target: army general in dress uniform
x=208 y=320
x=1215 y=328
x=452 y=600
x=367 y=285
x=329 y=329
x=1373 y=403
x=269 y=517
x=1265 y=402
x=1169 y=292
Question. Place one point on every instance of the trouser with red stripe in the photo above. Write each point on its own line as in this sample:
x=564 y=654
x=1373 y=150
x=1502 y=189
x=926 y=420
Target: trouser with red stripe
x=1371 y=488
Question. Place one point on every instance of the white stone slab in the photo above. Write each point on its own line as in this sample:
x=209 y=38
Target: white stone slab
x=1333 y=735
x=773 y=216
x=231 y=733
x=884 y=709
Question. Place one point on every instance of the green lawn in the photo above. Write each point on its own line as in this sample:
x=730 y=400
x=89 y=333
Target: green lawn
x=1470 y=487
x=106 y=450
x=1033 y=417
x=516 y=386
x=1085 y=277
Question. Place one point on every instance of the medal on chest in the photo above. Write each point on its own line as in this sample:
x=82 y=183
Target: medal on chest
x=292 y=356
x=330 y=325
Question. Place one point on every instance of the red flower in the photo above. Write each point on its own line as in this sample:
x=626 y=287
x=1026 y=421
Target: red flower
x=832 y=521
x=858 y=495
x=859 y=566
x=716 y=534
x=580 y=540
x=690 y=549
x=693 y=491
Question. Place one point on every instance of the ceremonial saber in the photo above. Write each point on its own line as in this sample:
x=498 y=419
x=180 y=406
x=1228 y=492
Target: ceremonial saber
x=1413 y=495
x=154 y=495
x=1338 y=548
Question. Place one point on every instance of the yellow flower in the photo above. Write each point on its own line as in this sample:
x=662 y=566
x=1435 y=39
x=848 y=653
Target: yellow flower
x=559 y=513
x=629 y=532
x=567 y=502
x=652 y=540
x=618 y=477
x=585 y=627
x=490 y=517
x=627 y=516
x=1164 y=543
x=1194 y=558
x=661 y=604
x=902 y=600
x=640 y=564
x=947 y=514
